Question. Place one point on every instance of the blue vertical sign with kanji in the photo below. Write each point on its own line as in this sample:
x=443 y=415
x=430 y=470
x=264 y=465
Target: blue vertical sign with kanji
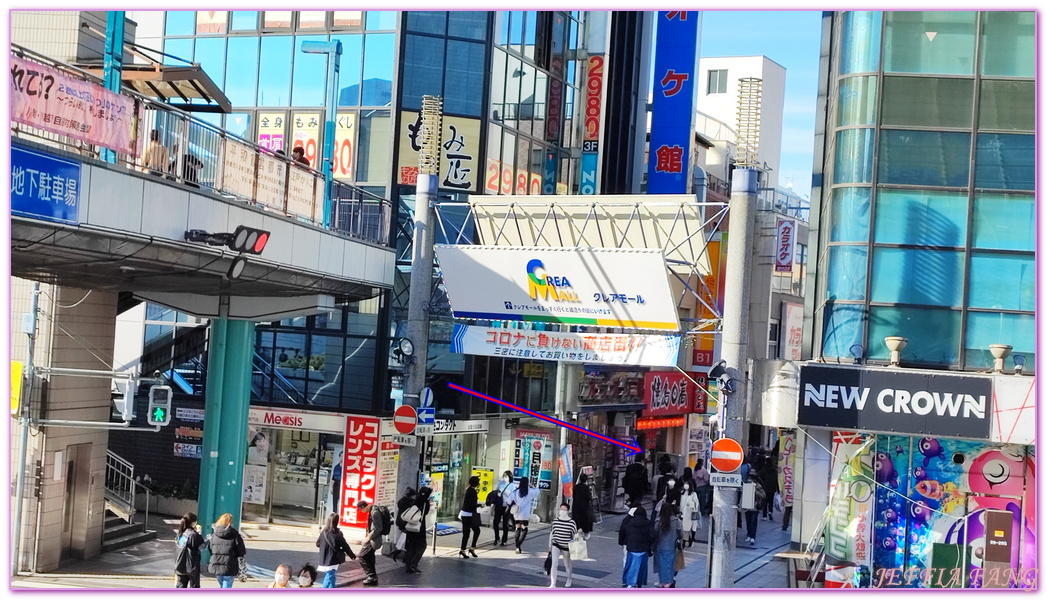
x=675 y=93
x=44 y=187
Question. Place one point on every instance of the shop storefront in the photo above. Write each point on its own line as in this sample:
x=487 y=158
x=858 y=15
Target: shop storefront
x=669 y=398
x=932 y=474
x=290 y=455
x=450 y=455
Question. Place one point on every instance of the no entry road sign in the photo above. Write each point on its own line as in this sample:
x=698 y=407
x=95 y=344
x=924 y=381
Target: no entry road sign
x=726 y=455
x=404 y=419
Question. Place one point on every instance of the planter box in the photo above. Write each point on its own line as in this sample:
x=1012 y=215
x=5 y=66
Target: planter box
x=162 y=505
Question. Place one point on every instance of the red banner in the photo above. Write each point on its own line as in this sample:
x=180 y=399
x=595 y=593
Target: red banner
x=670 y=393
x=359 y=469
x=43 y=97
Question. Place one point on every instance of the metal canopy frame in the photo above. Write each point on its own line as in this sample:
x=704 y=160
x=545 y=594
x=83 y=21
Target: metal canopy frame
x=677 y=225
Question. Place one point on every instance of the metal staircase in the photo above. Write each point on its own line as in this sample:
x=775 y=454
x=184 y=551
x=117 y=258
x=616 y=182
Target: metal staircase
x=120 y=529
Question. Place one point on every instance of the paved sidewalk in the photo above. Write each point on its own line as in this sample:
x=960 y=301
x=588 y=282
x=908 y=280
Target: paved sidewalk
x=149 y=564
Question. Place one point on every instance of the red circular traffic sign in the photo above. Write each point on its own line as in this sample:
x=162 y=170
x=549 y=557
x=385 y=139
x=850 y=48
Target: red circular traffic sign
x=726 y=455
x=404 y=419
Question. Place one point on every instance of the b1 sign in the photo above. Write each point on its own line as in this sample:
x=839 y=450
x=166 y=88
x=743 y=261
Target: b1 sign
x=590 y=286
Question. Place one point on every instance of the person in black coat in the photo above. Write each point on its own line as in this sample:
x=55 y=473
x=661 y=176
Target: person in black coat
x=582 y=511
x=635 y=482
x=497 y=504
x=333 y=550
x=227 y=547
x=637 y=533
x=401 y=505
x=769 y=478
x=415 y=547
x=187 y=565
x=470 y=516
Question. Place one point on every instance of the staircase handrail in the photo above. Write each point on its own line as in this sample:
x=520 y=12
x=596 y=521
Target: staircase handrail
x=266 y=369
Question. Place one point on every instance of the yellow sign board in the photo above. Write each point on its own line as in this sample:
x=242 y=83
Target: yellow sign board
x=486 y=483
x=16 y=387
x=305 y=132
x=459 y=152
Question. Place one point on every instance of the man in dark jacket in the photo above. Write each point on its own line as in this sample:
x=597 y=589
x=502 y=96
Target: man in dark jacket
x=227 y=547
x=769 y=479
x=636 y=533
x=635 y=482
x=401 y=505
x=372 y=542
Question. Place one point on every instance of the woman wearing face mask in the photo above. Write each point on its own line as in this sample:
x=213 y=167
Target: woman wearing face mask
x=470 y=516
x=691 y=510
x=505 y=523
x=520 y=504
x=281 y=577
x=561 y=533
x=306 y=576
x=497 y=507
x=671 y=499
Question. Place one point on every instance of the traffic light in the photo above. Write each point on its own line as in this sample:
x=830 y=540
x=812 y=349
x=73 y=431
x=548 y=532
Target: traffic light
x=159 y=405
x=248 y=240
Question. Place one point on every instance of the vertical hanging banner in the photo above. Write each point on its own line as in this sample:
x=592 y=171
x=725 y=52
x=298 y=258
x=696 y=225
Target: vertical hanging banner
x=785 y=236
x=675 y=92
x=344 y=134
x=360 y=468
x=271 y=128
x=593 y=116
x=567 y=470
x=533 y=457
x=786 y=462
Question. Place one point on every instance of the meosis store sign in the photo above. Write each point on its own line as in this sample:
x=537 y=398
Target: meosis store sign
x=915 y=403
x=296 y=419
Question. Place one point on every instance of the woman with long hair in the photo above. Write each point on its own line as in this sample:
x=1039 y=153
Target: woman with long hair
x=333 y=550
x=414 y=519
x=582 y=510
x=470 y=516
x=187 y=565
x=520 y=504
x=227 y=548
x=666 y=539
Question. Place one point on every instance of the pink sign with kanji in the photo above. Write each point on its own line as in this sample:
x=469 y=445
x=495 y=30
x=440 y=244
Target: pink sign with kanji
x=359 y=468
x=44 y=98
x=786 y=243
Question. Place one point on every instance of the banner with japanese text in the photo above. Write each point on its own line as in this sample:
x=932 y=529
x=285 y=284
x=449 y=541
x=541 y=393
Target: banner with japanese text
x=786 y=465
x=459 y=152
x=344 y=136
x=360 y=468
x=675 y=93
x=578 y=286
x=848 y=531
x=271 y=128
x=567 y=470
x=44 y=186
x=486 y=483
x=592 y=348
x=785 y=244
x=305 y=132
x=44 y=98
x=533 y=458
x=671 y=393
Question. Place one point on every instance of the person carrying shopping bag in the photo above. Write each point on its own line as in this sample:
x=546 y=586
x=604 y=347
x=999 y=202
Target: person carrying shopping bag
x=414 y=524
x=333 y=550
x=401 y=539
x=561 y=534
x=520 y=504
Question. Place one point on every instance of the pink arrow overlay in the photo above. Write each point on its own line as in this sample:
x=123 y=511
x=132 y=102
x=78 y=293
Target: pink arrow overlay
x=634 y=447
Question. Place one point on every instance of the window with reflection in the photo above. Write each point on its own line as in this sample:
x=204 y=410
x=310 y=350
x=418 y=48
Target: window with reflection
x=211 y=21
x=938 y=42
x=350 y=67
x=1007 y=105
x=310 y=73
x=854 y=156
x=934 y=334
x=242 y=70
x=239 y=124
x=498 y=65
x=427 y=21
x=379 y=54
x=917 y=276
x=276 y=19
x=274 y=79
x=326 y=367
x=312 y=19
x=423 y=64
x=210 y=53
x=1004 y=222
x=934 y=158
x=530 y=33
x=179 y=22
x=348 y=18
x=180 y=51
x=470 y=24
x=847 y=272
x=1003 y=281
x=921 y=217
x=244 y=20
x=928 y=102
x=843 y=326
x=372 y=161
x=1005 y=161
x=464 y=78
x=381 y=20
x=849 y=212
x=357 y=368
x=861 y=41
x=1008 y=45
x=984 y=329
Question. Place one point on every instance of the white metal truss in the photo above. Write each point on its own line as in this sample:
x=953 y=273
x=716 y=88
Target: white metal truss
x=676 y=224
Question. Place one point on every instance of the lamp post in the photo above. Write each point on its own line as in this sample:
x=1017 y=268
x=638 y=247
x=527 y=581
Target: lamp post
x=333 y=50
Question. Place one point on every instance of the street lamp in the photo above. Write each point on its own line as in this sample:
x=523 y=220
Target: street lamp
x=333 y=50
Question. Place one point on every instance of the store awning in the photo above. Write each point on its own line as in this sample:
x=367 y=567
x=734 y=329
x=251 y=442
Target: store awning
x=174 y=84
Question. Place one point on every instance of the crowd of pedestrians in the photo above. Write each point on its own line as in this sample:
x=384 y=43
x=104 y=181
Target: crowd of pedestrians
x=681 y=503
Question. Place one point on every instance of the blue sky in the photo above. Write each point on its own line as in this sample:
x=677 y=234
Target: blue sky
x=793 y=40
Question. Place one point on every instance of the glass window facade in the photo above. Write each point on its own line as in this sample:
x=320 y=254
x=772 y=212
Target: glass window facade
x=936 y=242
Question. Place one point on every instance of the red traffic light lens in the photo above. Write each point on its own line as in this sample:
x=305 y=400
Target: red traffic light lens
x=259 y=245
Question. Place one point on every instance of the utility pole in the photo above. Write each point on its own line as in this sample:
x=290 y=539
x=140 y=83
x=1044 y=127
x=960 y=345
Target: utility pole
x=732 y=407
x=27 y=395
x=421 y=283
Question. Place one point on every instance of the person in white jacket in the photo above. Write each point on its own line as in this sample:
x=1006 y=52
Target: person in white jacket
x=520 y=503
x=691 y=511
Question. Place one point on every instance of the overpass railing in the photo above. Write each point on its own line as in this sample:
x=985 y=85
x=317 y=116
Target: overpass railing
x=176 y=146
